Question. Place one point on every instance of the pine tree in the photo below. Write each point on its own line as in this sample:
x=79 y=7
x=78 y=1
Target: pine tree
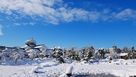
x=90 y=51
x=61 y=60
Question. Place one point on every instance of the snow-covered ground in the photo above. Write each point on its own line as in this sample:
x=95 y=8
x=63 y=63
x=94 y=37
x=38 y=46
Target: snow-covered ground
x=49 y=68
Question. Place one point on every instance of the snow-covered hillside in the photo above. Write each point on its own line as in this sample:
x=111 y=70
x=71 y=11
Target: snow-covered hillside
x=48 y=67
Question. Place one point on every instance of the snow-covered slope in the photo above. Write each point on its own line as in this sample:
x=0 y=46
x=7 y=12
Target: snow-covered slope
x=49 y=68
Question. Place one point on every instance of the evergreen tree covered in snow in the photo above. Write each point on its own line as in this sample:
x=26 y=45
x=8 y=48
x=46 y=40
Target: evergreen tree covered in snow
x=133 y=53
x=32 y=54
x=1 y=57
x=97 y=54
x=102 y=53
x=90 y=51
x=71 y=54
x=125 y=50
x=61 y=60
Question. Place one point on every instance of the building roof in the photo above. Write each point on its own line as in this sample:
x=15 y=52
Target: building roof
x=25 y=46
x=49 y=50
x=31 y=50
x=9 y=48
x=31 y=40
x=57 y=47
x=123 y=54
x=40 y=46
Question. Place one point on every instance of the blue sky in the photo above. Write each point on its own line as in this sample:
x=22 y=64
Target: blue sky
x=99 y=23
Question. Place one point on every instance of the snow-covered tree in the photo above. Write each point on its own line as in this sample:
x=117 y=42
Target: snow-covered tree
x=133 y=53
x=16 y=54
x=1 y=57
x=113 y=54
x=32 y=54
x=78 y=54
x=97 y=54
x=42 y=51
x=58 y=52
x=126 y=50
x=90 y=51
x=61 y=60
x=83 y=52
x=132 y=48
x=64 y=53
x=102 y=53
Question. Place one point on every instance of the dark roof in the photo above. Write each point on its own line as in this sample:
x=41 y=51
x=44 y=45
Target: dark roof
x=40 y=45
x=49 y=50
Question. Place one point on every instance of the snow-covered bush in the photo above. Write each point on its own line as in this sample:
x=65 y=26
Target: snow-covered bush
x=32 y=54
x=97 y=54
x=61 y=60
x=113 y=54
x=1 y=57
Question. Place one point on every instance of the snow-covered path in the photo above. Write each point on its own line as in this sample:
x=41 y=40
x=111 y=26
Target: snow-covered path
x=49 y=68
x=15 y=71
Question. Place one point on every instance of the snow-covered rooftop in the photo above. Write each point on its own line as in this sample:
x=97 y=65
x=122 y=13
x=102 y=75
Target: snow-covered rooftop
x=41 y=46
x=25 y=46
x=57 y=47
x=123 y=54
x=31 y=40
x=33 y=50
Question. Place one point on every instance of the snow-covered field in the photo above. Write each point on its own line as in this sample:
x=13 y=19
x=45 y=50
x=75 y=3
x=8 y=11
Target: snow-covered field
x=50 y=68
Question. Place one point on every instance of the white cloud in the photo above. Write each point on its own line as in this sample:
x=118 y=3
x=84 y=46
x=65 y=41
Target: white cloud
x=32 y=23
x=80 y=14
x=1 y=30
x=126 y=14
x=0 y=26
x=41 y=8
x=65 y=14
x=94 y=16
x=16 y=24
x=106 y=11
x=55 y=11
x=29 y=7
x=47 y=10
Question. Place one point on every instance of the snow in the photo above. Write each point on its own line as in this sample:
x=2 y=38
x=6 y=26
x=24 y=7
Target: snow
x=69 y=70
x=26 y=46
x=31 y=40
x=8 y=49
x=41 y=46
x=48 y=67
x=123 y=54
